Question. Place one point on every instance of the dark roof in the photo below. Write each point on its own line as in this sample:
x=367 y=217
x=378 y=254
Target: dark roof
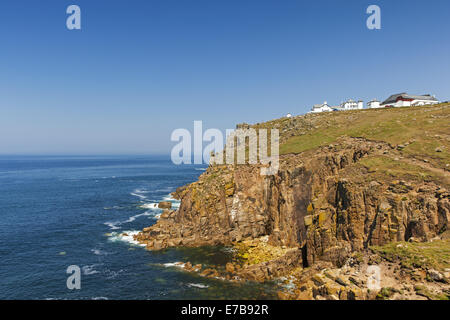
x=394 y=97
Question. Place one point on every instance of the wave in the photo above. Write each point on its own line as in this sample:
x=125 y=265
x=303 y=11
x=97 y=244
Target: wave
x=132 y=218
x=112 y=225
x=198 y=285
x=169 y=198
x=111 y=274
x=151 y=205
x=175 y=203
x=113 y=208
x=141 y=191
x=115 y=225
x=88 y=270
x=200 y=169
x=99 y=252
x=138 y=195
x=168 y=189
x=126 y=236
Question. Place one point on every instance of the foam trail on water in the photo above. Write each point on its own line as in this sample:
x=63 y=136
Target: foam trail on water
x=198 y=285
x=88 y=270
x=126 y=236
x=151 y=205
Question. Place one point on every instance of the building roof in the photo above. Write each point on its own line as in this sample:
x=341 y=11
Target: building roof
x=394 y=97
x=320 y=105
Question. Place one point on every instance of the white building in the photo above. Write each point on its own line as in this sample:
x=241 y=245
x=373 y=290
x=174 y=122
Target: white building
x=289 y=115
x=323 y=107
x=350 y=104
x=372 y=104
x=408 y=100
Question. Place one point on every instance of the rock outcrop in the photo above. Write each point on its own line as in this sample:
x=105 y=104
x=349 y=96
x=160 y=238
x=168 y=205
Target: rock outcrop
x=313 y=203
x=324 y=204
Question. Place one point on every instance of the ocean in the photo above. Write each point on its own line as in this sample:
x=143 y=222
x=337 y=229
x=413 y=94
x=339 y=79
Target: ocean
x=61 y=211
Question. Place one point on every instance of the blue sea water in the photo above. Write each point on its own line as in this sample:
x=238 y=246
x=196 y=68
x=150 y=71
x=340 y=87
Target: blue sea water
x=62 y=211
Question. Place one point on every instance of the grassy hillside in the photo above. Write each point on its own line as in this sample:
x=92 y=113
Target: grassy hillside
x=420 y=136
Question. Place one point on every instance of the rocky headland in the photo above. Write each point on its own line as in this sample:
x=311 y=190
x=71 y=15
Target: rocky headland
x=354 y=189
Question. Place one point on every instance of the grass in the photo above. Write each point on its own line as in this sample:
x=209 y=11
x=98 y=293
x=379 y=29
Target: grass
x=424 y=292
x=424 y=128
x=380 y=167
x=434 y=254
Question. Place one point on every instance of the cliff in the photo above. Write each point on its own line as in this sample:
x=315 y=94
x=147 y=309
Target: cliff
x=348 y=182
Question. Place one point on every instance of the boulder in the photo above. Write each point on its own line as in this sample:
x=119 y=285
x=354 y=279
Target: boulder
x=165 y=205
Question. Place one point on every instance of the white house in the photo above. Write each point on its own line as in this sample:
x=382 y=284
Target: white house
x=289 y=115
x=408 y=100
x=323 y=107
x=350 y=104
x=372 y=104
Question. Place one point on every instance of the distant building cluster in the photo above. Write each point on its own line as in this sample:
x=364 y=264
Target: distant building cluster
x=395 y=100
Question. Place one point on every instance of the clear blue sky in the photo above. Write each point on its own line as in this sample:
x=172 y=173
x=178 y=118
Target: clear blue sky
x=139 y=69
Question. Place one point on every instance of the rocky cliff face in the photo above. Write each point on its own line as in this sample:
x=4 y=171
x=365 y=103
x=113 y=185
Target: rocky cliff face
x=321 y=201
x=326 y=202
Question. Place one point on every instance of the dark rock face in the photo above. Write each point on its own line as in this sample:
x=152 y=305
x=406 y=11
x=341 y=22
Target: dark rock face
x=319 y=201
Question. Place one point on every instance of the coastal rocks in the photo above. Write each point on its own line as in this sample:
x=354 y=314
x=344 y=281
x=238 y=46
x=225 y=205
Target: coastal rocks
x=323 y=202
x=323 y=281
x=435 y=275
x=271 y=269
x=229 y=267
x=323 y=206
x=165 y=205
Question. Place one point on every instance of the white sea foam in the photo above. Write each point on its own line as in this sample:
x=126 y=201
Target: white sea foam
x=175 y=202
x=88 y=270
x=140 y=191
x=151 y=205
x=177 y=264
x=198 y=285
x=132 y=218
x=99 y=252
x=111 y=274
x=138 y=195
x=126 y=236
x=113 y=207
x=113 y=225
x=169 y=198
x=168 y=189
x=228 y=249
x=200 y=169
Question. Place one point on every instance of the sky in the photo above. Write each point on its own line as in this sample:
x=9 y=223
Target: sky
x=137 y=70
